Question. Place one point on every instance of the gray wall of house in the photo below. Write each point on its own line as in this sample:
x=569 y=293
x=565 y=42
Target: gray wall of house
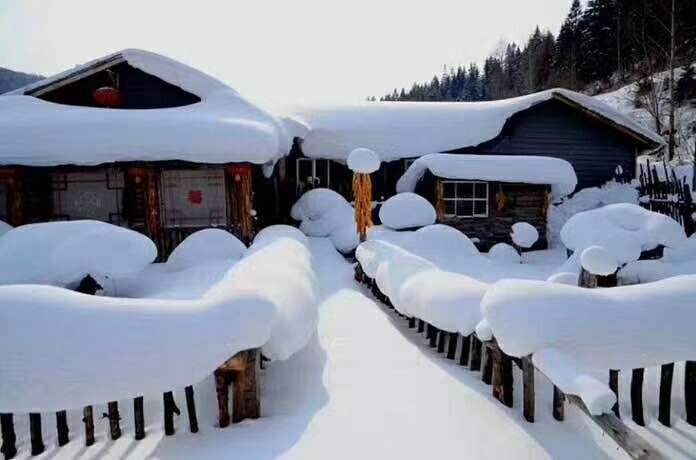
x=556 y=130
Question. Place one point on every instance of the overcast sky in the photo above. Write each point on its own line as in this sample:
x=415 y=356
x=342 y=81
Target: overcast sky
x=275 y=52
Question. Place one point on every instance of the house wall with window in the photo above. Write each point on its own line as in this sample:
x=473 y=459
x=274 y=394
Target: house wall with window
x=487 y=210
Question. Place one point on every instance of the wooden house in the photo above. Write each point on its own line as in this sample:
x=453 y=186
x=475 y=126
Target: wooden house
x=138 y=140
x=593 y=137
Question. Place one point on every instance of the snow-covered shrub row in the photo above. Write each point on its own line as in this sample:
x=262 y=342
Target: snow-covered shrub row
x=407 y=210
x=62 y=253
x=55 y=340
x=572 y=331
x=586 y=199
x=325 y=213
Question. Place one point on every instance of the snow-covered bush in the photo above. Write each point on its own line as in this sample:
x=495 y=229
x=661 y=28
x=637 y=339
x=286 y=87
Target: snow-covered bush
x=625 y=230
x=267 y=300
x=598 y=261
x=571 y=331
x=325 y=213
x=524 y=234
x=206 y=245
x=407 y=210
x=442 y=245
x=62 y=253
x=363 y=161
x=503 y=252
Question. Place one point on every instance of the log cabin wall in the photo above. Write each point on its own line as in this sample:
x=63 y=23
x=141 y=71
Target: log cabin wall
x=508 y=203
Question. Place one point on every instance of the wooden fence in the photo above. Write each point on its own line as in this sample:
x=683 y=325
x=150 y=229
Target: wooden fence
x=497 y=370
x=665 y=193
x=239 y=371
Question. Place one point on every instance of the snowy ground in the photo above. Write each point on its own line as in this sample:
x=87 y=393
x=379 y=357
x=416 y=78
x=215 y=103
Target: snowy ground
x=365 y=387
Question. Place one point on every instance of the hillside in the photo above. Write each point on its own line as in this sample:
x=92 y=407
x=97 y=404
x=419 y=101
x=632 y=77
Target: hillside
x=9 y=79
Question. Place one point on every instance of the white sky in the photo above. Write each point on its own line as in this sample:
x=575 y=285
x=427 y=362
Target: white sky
x=275 y=52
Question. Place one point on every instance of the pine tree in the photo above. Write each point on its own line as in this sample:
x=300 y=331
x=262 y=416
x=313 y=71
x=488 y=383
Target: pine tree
x=568 y=48
x=598 y=40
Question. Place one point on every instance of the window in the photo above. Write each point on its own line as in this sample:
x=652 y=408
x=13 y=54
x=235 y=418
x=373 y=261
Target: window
x=193 y=198
x=93 y=195
x=310 y=173
x=465 y=198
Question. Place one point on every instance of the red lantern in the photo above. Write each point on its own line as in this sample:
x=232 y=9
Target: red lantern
x=106 y=96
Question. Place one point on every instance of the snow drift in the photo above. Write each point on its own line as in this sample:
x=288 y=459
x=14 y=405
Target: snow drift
x=86 y=350
x=325 y=213
x=407 y=210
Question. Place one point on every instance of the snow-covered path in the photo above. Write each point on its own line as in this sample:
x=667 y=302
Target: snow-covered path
x=365 y=387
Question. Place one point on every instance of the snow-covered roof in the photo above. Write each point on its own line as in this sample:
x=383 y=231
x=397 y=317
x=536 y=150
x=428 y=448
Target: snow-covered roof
x=222 y=128
x=499 y=168
x=410 y=129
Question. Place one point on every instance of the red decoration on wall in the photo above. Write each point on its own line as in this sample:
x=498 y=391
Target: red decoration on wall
x=239 y=170
x=195 y=196
x=107 y=96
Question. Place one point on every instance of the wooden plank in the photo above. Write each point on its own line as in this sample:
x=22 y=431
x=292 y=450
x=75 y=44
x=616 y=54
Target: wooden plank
x=475 y=354
x=501 y=374
x=440 y=341
x=614 y=387
x=464 y=353
x=170 y=409
x=78 y=75
x=666 y=377
x=528 y=401
x=486 y=364
x=191 y=409
x=453 y=338
x=9 y=437
x=62 y=428
x=37 y=444
x=690 y=392
x=139 y=418
x=632 y=444
x=114 y=420
x=246 y=399
x=637 y=377
x=88 y=420
x=558 y=404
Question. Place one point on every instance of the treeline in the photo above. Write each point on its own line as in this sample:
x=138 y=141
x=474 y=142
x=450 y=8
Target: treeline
x=604 y=44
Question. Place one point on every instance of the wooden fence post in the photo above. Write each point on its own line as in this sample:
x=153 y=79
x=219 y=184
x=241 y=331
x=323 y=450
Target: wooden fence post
x=222 y=382
x=431 y=335
x=528 y=402
x=501 y=374
x=464 y=353
x=37 y=444
x=475 y=354
x=614 y=387
x=139 y=418
x=246 y=402
x=637 y=396
x=88 y=420
x=170 y=409
x=558 y=403
x=191 y=409
x=690 y=392
x=9 y=437
x=421 y=326
x=62 y=428
x=486 y=363
x=411 y=322
x=114 y=420
x=452 y=345
x=666 y=376
x=441 y=341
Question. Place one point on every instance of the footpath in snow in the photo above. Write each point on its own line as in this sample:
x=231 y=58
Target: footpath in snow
x=365 y=387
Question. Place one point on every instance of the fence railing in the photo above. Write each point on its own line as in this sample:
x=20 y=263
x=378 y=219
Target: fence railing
x=496 y=369
x=239 y=371
x=662 y=191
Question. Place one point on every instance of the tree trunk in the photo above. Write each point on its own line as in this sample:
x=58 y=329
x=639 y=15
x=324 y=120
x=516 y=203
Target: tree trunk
x=671 y=141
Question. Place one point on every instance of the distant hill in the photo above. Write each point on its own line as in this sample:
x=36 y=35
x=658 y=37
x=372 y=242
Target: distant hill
x=9 y=79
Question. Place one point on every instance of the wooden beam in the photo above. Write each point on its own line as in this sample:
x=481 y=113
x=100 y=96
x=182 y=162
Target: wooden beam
x=633 y=445
x=78 y=74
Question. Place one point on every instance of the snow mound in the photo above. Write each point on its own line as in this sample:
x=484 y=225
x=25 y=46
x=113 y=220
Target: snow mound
x=684 y=252
x=222 y=128
x=500 y=168
x=625 y=230
x=503 y=252
x=270 y=234
x=325 y=213
x=442 y=245
x=524 y=234
x=598 y=261
x=595 y=329
x=396 y=130
x=407 y=210
x=206 y=245
x=261 y=302
x=62 y=253
x=568 y=278
x=381 y=232
x=5 y=227
x=363 y=161
x=586 y=199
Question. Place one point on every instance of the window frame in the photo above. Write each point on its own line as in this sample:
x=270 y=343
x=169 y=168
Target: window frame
x=327 y=165
x=473 y=199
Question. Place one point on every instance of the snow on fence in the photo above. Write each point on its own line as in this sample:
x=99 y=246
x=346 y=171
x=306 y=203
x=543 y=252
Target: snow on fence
x=259 y=309
x=448 y=317
x=663 y=192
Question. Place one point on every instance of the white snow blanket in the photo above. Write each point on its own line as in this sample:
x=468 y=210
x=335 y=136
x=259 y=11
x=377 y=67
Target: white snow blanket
x=222 y=128
x=206 y=245
x=407 y=210
x=86 y=350
x=62 y=253
x=325 y=213
x=524 y=234
x=396 y=130
x=500 y=168
x=503 y=252
x=625 y=230
x=5 y=227
x=593 y=329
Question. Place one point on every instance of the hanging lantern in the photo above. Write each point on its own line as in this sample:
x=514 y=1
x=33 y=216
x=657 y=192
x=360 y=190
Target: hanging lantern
x=239 y=170
x=107 y=96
